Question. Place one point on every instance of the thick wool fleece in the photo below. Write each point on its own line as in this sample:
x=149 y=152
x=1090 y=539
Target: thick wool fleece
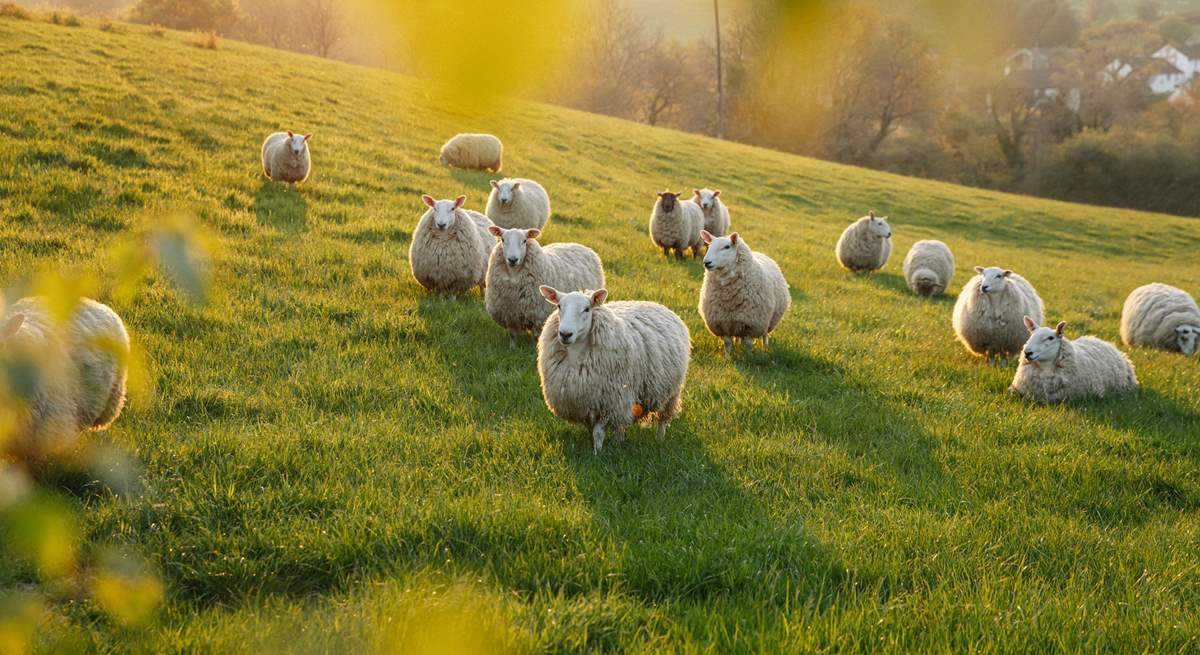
x=451 y=260
x=636 y=352
x=860 y=249
x=473 y=152
x=512 y=297
x=1086 y=367
x=1151 y=314
x=928 y=268
x=747 y=300
x=678 y=229
x=280 y=165
x=993 y=323
x=529 y=209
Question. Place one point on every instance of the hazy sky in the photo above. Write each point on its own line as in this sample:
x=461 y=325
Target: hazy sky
x=683 y=19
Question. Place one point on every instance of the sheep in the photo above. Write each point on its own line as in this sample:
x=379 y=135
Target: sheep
x=81 y=368
x=866 y=245
x=519 y=265
x=1161 y=316
x=928 y=268
x=518 y=204
x=285 y=157
x=1056 y=369
x=987 y=315
x=473 y=152
x=675 y=224
x=610 y=365
x=744 y=294
x=716 y=214
x=449 y=249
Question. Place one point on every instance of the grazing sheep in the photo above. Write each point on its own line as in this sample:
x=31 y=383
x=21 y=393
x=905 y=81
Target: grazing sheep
x=449 y=249
x=866 y=245
x=518 y=204
x=473 y=152
x=1055 y=369
x=988 y=313
x=675 y=224
x=519 y=265
x=928 y=268
x=285 y=157
x=80 y=365
x=610 y=365
x=744 y=294
x=1161 y=316
x=716 y=214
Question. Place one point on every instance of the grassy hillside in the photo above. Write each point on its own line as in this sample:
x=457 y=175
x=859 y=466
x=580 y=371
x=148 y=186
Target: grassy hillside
x=334 y=458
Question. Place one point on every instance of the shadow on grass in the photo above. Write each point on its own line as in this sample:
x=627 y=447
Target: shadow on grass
x=1167 y=424
x=281 y=206
x=888 y=281
x=477 y=180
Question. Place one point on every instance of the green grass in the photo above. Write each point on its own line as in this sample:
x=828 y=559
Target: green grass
x=334 y=458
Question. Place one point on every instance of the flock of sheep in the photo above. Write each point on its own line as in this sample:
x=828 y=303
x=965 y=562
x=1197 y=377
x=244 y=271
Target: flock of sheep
x=609 y=365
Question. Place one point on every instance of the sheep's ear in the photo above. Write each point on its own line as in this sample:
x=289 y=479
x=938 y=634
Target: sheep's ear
x=428 y=200
x=495 y=184
x=871 y=213
x=496 y=231
x=660 y=193
x=734 y=238
x=12 y=326
x=599 y=296
x=458 y=202
x=1062 y=325
x=679 y=195
x=696 y=192
x=533 y=233
x=290 y=135
x=308 y=137
x=716 y=193
x=1030 y=325
x=706 y=237
x=1007 y=273
x=549 y=293
x=516 y=185
x=979 y=270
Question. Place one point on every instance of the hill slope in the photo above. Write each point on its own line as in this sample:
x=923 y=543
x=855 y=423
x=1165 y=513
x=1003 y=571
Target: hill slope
x=331 y=451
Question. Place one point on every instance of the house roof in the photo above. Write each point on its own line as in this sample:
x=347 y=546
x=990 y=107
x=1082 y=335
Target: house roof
x=1150 y=66
x=1192 y=51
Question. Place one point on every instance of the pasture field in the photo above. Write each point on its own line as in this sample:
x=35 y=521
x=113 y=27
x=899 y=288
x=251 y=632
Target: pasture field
x=334 y=460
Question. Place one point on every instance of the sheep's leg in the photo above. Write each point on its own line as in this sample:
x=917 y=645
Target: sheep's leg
x=766 y=340
x=662 y=428
x=598 y=437
x=695 y=252
x=619 y=436
x=679 y=254
x=666 y=252
x=512 y=340
x=748 y=344
x=728 y=346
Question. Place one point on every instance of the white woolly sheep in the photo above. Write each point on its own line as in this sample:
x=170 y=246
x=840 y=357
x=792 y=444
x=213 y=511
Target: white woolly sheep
x=1161 y=316
x=675 y=224
x=928 y=268
x=1055 y=369
x=285 y=157
x=449 y=249
x=518 y=204
x=866 y=245
x=610 y=365
x=744 y=294
x=716 y=214
x=81 y=369
x=988 y=313
x=519 y=265
x=473 y=152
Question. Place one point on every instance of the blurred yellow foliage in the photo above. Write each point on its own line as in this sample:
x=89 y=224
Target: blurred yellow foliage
x=42 y=531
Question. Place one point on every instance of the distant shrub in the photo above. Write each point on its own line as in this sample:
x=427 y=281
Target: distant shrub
x=157 y=30
x=107 y=25
x=206 y=40
x=203 y=15
x=64 y=18
x=11 y=10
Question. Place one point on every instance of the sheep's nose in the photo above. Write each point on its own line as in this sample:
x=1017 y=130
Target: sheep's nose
x=565 y=336
x=512 y=261
x=986 y=288
x=1029 y=355
x=441 y=226
x=708 y=264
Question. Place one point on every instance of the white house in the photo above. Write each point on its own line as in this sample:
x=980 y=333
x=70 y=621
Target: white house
x=1185 y=58
x=1165 y=72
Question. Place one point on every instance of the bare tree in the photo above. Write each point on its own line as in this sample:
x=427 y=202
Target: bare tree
x=902 y=71
x=322 y=24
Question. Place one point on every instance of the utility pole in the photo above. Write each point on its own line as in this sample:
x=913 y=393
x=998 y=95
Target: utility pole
x=720 y=82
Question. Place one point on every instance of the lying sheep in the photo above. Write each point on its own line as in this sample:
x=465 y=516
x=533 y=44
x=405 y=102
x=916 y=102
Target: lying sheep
x=866 y=245
x=675 y=224
x=519 y=265
x=518 y=204
x=81 y=367
x=928 y=268
x=716 y=214
x=744 y=294
x=1161 y=316
x=285 y=157
x=609 y=365
x=449 y=249
x=473 y=152
x=1055 y=369
x=988 y=313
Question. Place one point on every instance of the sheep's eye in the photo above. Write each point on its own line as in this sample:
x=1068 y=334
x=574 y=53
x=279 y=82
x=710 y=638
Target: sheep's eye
x=587 y=309
x=727 y=246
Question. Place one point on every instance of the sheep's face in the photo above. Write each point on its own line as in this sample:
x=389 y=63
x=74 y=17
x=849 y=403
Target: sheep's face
x=993 y=280
x=927 y=283
x=515 y=244
x=706 y=198
x=297 y=143
x=1186 y=336
x=506 y=191
x=722 y=251
x=574 y=312
x=879 y=227
x=445 y=212
x=1044 y=343
x=668 y=200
